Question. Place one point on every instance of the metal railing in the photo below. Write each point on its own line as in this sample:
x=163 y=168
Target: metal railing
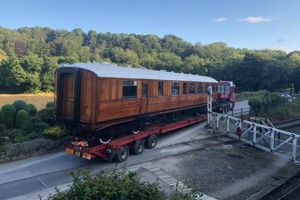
x=265 y=137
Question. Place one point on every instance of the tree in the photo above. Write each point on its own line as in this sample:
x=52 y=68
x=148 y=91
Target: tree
x=14 y=76
x=3 y=55
x=26 y=54
x=168 y=61
x=31 y=63
x=194 y=64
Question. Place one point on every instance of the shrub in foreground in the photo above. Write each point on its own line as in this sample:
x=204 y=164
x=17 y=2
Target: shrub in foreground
x=50 y=105
x=46 y=114
x=31 y=109
x=109 y=185
x=8 y=113
x=22 y=118
x=30 y=147
x=54 y=132
x=20 y=105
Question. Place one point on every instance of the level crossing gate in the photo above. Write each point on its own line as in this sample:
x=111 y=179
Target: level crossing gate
x=273 y=140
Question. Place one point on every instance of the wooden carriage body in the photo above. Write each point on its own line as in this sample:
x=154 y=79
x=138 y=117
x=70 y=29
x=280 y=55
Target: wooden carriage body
x=95 y=93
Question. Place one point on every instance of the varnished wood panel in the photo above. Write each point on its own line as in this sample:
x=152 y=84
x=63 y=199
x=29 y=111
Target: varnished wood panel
x=68 y=95
x=87 y=97
x=109 y=104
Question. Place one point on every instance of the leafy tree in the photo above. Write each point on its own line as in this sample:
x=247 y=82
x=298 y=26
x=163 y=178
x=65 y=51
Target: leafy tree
x=3 y=55
x=30 y=56
x=168 y=61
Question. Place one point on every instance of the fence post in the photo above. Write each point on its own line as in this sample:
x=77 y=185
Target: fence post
x=254 y=134
x=272 y=140
x=227 y=126
x=294 y=155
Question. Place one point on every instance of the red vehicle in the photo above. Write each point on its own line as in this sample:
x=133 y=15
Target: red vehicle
x=226 y=97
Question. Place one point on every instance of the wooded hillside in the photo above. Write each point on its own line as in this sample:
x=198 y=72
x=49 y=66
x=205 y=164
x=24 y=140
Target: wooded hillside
x=29 y=57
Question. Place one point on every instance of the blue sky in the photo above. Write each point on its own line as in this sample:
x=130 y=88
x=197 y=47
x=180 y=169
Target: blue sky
x=253 y=24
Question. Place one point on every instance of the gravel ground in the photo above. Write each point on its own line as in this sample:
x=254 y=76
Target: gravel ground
x=234 y=171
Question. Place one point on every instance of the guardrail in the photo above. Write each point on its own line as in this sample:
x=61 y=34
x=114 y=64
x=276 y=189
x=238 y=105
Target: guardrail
x=267 y=138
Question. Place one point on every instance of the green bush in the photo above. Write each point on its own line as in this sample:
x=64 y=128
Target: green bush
x=50 y=105
x=109 y=185
x=31 y=147
x=22 y=118
x=3 y=136
x=20 y=105
x=54 y=132
x=34 y=127
x=12 y=134
x=46 y=114
x=263 y=105
x=1 y=117
x=8 y=113
x=31 y=109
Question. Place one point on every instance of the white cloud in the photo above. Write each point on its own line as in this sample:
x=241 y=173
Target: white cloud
x=285 y=49
x=281 y=40
x=220 y=19
x=257 y=19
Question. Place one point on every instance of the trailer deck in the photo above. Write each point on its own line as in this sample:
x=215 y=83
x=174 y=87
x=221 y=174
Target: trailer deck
x=119 y=147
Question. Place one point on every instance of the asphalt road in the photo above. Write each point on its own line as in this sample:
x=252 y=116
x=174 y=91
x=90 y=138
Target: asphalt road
x=38 y=173
x=241 y=105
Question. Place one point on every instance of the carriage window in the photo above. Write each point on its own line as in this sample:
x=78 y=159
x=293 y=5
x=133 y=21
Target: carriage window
x=129 y=89
x=192 y=88
x=160 y=88
x=184 y=88
x=145 y=89
x=175 y=88
x=200 y=88
x=222 y=90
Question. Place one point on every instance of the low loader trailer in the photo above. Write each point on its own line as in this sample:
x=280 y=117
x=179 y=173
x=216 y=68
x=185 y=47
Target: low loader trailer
x=119 y=148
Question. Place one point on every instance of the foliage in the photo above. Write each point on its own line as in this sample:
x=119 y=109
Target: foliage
x=3 y=136
x=109 y=185
x=20 y=105
x=46 y=114
x=30 y=147
x=54 y=132
x=262 y=105
x=50 y=105
x=22 y=118
x=256 y=105
x=286 y=111
x=31 y=109
x=1 y=117
x=8 y=112
x=30 y=56
x=34 y=127
x=248 y=95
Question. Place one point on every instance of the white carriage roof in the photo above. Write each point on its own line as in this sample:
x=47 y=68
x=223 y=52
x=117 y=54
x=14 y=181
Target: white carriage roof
x=108 y=70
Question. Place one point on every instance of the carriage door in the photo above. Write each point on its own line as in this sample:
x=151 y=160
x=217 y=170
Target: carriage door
x=68 y=97
x=144 y=98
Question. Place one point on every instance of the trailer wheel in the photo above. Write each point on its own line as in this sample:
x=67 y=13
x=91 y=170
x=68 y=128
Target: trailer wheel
x=138 y=147
x=151 y=141
x=122 y=154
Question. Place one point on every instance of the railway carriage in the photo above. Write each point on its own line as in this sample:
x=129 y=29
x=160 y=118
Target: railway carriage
x=105 y=100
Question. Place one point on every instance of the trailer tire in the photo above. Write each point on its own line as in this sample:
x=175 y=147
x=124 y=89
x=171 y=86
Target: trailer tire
x=122 y=154
x=151 y=141
x=138 y=147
